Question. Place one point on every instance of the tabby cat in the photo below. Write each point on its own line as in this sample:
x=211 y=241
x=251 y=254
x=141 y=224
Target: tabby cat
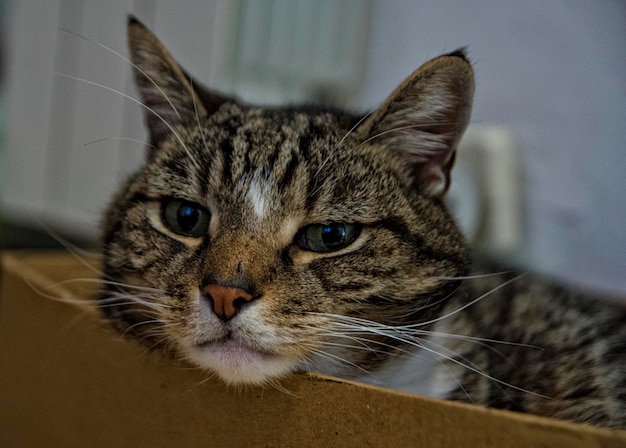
x=257 y=241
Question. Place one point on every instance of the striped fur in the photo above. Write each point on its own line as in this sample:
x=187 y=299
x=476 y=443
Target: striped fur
x=263 y=175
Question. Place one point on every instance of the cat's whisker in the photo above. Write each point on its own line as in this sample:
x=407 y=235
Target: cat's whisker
x=208 y=376
x=412 y=338
x=101 y=281
x=471 y=303
x=337 y=146
x=416 y=341
x=125 y=59
x=195 y=111
x=472 y=367
x=337 y=359
x=435 y=303
x=427 y=149
x=476 y=276
x=362 y=343
x=127 y=139
x=54 y=298
x=457 y=381
x=275 y=384
x=78 y=253
x=148 y=108
x=129 y=307
x=133 y=312
x=158 y=323
x=123 y=300
x=439 y=353
x=359 y=325
x=347 y=134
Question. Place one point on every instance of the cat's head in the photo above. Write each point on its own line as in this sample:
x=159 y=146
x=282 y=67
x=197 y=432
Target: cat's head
x=259 y=241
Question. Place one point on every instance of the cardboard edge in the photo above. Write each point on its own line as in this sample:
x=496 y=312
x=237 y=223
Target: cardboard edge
x=30 y=266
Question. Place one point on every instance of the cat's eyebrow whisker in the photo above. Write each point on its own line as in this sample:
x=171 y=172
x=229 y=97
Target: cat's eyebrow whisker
x=425 y=151
x=361 y=120
x=128 y=139
x=136 y=101
x=195 y=111
x=340 y=142
x=336 y=147
x=125 y=59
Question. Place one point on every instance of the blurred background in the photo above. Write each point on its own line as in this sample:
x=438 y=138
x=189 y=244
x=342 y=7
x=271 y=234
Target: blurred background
x=540 y=181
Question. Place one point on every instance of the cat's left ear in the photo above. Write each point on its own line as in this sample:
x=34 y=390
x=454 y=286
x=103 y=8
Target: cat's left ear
x=424 y=119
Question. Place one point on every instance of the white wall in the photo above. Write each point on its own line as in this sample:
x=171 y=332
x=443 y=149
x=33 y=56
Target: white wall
x=71 y=140
x=554 y=72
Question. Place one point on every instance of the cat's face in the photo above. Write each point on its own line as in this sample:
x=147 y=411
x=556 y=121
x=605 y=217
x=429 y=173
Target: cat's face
x=253 y=240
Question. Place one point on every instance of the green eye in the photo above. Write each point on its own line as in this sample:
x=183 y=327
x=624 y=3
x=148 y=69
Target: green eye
x=327 y=237
x=185 y=217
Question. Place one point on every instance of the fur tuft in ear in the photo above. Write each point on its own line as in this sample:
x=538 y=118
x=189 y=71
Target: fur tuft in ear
x=423 y=120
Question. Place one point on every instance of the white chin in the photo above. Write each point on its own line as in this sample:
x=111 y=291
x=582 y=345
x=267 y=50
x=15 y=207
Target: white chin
x=237 y=364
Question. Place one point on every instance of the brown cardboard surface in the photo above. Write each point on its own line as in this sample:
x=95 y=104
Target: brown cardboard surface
x=68 y=381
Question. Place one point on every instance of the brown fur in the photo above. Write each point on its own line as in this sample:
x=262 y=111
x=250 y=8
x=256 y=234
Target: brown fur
x=264 y=176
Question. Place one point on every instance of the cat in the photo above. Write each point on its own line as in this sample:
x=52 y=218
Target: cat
x=259 y=241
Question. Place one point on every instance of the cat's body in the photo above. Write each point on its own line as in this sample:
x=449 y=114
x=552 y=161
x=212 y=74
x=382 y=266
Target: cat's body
x=571 y=364
x=255 y=242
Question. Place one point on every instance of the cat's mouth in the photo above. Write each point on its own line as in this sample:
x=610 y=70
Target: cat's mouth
x=238 y=363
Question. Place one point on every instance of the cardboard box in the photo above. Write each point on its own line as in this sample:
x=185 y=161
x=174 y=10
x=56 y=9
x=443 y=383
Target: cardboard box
x=67 y=380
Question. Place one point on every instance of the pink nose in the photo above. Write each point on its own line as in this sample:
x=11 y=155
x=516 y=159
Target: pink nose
x=226 y=300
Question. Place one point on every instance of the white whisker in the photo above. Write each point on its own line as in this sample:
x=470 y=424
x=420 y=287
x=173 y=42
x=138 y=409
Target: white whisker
x=469 y=304
x=145 y=106
x=134 y=140
x=336 y=359
x=195 y=111
x=112 y=283
x=128 y=61
x=476 y=276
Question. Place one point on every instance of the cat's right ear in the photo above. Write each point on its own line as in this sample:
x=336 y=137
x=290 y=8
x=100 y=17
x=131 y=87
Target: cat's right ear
x=423 y=120
x=170 y=96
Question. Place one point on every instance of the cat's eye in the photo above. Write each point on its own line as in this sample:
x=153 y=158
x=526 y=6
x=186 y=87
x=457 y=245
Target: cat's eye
x=327 y=237
x=185 y=217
